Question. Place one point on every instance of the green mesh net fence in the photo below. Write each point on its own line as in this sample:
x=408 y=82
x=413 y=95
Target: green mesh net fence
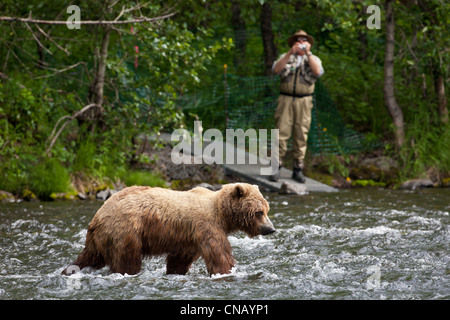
x=236 y=102
x=250 y=102
x=329 y=134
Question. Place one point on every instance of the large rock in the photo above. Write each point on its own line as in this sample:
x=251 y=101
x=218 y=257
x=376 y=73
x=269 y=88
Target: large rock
x=417 y=183
x=292 y=188
x=187 y=174
x=205 y=185
x=6 y=196
x=377 y=169
x=105 y=194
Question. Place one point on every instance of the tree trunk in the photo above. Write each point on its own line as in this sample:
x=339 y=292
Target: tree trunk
x=240 y=37
x=389 y=96
x=41 y=58
x=439 y=86
x=270 y=50
x=101 y=70
x=362 y=34
x=97 y=87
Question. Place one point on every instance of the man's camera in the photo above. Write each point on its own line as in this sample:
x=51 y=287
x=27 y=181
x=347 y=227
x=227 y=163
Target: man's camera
x=302 y=46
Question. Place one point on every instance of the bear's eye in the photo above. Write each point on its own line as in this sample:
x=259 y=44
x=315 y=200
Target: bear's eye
x=259 y=214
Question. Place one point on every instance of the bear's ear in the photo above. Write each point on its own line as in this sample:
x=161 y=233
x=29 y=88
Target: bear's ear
x=239 y=191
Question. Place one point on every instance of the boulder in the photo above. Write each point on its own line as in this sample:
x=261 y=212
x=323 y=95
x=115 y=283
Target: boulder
x=377 y=169
x=6 y=196
x=82 y=196
x=417 y=183
x=292 y=188
x=105 y=194
x=206 y=185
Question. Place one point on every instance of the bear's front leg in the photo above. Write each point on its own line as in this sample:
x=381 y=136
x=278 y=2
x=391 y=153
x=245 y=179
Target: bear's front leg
x=126 y=257
x=217 y=254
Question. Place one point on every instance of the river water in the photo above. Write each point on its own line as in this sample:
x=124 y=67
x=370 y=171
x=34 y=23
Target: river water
x=354 y=244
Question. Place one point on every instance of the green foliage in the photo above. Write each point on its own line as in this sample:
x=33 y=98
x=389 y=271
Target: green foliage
x=36 y=95
x=14 y=176
x=337 y=165
x=100 y=160
x=84 y=159
x=180 y=77
x=143 y=178
x=47 y=177
x=367 y=183
x=427 y=147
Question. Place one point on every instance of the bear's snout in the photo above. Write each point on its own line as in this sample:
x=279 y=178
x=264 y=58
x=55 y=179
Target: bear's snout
x=267 y=228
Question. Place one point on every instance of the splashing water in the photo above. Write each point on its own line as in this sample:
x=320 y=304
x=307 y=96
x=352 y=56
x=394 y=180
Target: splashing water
x=356 y=244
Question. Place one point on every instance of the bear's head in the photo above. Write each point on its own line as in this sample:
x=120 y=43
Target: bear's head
x=244 y=208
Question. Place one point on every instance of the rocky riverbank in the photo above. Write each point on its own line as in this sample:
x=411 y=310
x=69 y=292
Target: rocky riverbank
x=351 y=172
x=180 y=177
x=373 y=170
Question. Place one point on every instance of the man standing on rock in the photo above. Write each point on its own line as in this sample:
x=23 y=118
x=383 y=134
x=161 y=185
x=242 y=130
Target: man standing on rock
x=298 y=69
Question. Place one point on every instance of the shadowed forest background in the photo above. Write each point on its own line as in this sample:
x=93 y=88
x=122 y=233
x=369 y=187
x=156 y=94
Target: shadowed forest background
x=75 y=103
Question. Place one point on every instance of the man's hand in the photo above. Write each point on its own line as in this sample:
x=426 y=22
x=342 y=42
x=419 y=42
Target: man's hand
x=297 y=50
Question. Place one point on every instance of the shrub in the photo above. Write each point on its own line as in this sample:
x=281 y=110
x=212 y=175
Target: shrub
x=143 y=178
x=47 y=177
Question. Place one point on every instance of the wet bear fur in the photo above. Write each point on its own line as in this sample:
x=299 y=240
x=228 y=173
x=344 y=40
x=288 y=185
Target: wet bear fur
x=140 y=222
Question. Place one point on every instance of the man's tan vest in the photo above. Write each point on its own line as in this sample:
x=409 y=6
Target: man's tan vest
x=297 y=81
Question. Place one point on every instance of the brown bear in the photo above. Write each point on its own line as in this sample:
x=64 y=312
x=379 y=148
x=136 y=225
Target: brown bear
x=139 y=222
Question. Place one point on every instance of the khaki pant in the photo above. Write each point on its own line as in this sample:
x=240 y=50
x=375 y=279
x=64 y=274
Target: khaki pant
x=293 y=115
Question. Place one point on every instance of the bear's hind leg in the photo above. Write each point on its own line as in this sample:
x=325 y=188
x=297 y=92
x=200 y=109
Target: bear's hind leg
x=180 y=263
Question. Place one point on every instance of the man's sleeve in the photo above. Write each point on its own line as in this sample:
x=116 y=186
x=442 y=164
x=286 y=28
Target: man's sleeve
x=273 y=66
x=321 y=72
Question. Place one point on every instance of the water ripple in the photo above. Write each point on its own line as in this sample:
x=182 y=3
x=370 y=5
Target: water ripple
x=358 y=244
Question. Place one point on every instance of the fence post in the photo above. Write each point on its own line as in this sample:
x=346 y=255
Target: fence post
x=226 y=94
